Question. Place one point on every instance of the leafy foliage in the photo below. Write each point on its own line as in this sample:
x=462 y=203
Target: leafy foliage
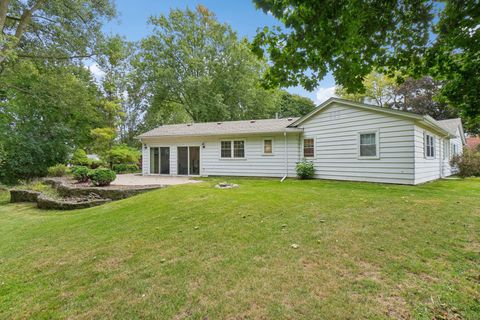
x=81 y=173
x=125 y=168
x=79 y=158
x=305 y=170
x=58 y=170
x=293 y=105
x=122 y=154
x=353 y=38
x=52 y=29
x=102 y=177
x=194 y=68
x=468 y=163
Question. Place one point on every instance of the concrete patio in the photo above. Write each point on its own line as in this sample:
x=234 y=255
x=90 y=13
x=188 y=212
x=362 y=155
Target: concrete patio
x=139 y=180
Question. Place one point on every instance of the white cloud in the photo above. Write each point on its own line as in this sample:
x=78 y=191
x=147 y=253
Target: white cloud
x=324 y=94
x=97 y=72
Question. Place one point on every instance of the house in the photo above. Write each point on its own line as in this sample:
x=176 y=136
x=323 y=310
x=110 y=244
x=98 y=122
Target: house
x=473 y=142
x=345 y=140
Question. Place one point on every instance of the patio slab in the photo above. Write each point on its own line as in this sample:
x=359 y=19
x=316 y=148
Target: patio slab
x=139 y=180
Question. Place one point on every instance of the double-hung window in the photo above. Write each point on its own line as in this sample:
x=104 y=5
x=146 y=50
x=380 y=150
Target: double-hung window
x=308 y=148
x=429 y=146
x=232 y=149
x=368 y=146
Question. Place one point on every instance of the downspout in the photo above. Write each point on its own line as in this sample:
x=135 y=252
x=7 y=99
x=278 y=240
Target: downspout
x=286 y=156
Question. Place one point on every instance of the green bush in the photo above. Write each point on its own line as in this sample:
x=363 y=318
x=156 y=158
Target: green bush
x=467 y=163
x=58 y=170
x=79 y=158
x=102 y=176
x=305 y=170
x=94 y=164
x=125 y=168
x=80 y=173
x=123 y=154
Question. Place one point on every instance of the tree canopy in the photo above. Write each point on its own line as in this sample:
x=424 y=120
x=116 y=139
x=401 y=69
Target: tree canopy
x=351 y=39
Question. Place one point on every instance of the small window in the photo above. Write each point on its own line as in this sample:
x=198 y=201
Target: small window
x=455 y=149
x=309 y=148
x=267 y=146
x=429 y=146
x=226 y=149
x=368 y=145
x=239 y=149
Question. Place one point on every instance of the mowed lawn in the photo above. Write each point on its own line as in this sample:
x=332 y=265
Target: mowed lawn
x=196 y=252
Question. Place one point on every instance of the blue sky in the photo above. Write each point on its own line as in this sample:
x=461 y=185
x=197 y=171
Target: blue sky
x=240 y=14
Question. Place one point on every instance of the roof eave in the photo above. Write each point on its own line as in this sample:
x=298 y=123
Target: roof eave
x=286 y=129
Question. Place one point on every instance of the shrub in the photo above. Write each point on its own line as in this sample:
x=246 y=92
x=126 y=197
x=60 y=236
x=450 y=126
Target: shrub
x=305 y=170
x=123 y=154
x=467 y=163
x=94 y=164
x=102 y=176
x=80 y=173
x=58 y=170
x=125 y=168
x=79 y=158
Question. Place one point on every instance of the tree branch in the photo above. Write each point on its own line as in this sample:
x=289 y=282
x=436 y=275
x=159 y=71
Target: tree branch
x=57 y=57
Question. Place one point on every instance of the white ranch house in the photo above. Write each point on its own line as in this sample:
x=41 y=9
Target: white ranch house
x=345 y=140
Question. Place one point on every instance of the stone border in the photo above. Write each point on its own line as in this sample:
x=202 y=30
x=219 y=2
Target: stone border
x=23 y=195
x=66 y=190
x=43 y=202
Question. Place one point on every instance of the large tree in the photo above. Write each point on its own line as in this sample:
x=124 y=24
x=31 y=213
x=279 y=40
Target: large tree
x=352 y=38
x=195 y=68
x=52 y=29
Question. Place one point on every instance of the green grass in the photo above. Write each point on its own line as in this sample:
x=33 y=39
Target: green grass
x=193 y=251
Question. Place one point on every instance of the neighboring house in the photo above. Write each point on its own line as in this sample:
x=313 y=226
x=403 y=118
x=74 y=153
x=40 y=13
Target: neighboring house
x=473 y=142
x=345 y=140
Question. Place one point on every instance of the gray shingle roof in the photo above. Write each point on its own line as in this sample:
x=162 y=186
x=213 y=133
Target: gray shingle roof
x=222 y=128
x=451 y=125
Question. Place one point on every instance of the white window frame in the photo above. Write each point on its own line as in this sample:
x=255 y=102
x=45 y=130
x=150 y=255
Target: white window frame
x=377 y=145
x=263 y=146
x=232 y=152
x=314 y=147
x=425 y=144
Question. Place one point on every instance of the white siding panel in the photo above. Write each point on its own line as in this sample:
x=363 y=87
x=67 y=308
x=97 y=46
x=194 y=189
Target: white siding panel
x=336 y=131
x=426 y=169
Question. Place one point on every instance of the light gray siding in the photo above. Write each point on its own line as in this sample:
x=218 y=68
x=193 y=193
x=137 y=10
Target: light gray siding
x=255 y=162
x=426 y=169
x=336 y=133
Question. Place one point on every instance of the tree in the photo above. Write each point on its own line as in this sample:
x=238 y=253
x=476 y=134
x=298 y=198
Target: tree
x=379 y=90
x=52 y=29
x=45 y=112
x=440 y=39
x=348 y=38
x=193 y=67
x=293 y=105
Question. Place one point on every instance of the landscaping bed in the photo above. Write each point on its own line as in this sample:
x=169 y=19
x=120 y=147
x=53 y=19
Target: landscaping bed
x=66 y=194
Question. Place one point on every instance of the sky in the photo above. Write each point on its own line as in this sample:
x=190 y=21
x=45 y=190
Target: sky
x=240 y=14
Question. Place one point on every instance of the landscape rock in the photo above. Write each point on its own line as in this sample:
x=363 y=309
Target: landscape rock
x=23 y=195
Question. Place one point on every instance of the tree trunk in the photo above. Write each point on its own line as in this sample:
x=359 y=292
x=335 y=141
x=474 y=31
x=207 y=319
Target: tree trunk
x=3 y=13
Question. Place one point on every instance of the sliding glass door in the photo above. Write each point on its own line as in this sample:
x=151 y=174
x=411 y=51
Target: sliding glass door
x=188 y=161
x=160 y=160
x=165 y=160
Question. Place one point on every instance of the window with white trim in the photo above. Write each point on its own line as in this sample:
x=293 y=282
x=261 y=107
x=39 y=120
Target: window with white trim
x=268 y=146
x=429 y=146
x=232 y=149
x=455 y=149
x=308 y=148
x=368 y=144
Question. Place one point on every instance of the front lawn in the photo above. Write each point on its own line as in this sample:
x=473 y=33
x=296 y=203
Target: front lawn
x=360 y=251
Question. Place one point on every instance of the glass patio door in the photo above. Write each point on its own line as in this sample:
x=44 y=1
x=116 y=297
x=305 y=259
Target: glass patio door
x=188 y=161
x=165 y=160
